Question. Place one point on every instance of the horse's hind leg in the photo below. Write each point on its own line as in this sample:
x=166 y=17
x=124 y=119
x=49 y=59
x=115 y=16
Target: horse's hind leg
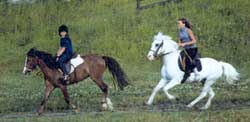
x=201 y=96
x=66 y=97
x=211 y=96
x=106 y=102
x=160 y=85
x=48 y=89
x=205 y=90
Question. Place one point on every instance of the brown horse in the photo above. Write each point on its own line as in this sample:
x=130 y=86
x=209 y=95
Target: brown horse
x=93 y=67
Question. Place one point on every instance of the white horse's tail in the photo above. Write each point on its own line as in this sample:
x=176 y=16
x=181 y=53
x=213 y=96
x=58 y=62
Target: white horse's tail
x=230 y=72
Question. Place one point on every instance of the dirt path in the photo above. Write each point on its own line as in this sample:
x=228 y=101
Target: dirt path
x=175 y=106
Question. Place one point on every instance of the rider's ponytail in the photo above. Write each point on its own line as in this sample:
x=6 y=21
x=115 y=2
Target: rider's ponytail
x=186 y=22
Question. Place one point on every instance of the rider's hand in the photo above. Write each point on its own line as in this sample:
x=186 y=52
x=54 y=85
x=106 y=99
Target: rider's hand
x=57 y=58
x=181 y=44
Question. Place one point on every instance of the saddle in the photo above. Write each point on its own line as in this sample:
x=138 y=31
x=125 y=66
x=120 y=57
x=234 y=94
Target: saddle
x=73 y=63
x=195 y=63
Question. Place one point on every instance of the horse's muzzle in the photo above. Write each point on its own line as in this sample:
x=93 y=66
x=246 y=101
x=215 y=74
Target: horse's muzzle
x=150 y=57
x=26 y=71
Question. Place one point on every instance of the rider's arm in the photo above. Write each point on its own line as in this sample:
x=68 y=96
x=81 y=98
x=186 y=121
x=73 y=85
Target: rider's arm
x=193 y=40
x=63 y=44
x=191 y=35
x=60 y=51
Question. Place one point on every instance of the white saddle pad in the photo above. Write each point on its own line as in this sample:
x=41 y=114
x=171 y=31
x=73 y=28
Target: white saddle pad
x=75 y=62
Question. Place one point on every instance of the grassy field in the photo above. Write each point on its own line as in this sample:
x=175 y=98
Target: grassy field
x=213 y=116
x=21 y=96
x=113 y=28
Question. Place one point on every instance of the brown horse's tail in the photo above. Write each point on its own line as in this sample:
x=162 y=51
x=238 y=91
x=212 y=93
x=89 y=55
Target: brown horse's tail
x=116 y=71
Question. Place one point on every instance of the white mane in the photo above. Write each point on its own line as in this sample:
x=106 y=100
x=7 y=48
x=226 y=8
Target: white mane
x=160 y=36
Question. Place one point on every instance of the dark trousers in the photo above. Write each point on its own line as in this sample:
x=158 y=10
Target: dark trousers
x=63 y=59
x=191 y=56
x=190 y=63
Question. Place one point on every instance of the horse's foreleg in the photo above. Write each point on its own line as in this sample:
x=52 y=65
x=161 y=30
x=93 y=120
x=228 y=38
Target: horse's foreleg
x=48 y=89
x=156 y=89
x=170 y=85
x=66 y=97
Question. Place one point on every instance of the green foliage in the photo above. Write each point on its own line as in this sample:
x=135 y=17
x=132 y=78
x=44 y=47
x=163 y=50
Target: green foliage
x=113 y=27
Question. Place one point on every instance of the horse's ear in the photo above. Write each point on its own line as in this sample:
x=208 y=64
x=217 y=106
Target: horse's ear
x=32 y=52
x=160 y=33
x=33 y=48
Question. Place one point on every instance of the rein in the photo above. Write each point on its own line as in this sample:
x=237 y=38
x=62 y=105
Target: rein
x=166 y=53
x=156 y=51
x=188 y=55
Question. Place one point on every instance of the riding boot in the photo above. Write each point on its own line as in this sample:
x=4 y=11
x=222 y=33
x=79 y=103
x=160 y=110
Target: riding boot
x=185 y=77
x=187 y=74
x=64 y=79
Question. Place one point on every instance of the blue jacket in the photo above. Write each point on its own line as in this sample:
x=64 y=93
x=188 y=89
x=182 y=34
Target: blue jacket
x=66 y=42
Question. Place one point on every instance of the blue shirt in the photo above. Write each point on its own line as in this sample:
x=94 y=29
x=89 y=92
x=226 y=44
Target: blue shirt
x=66 y=42
x=184 y=37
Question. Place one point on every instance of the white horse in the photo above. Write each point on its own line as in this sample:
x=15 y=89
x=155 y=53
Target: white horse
x=171 y=75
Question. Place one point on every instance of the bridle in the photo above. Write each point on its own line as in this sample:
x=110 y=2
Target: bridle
x=29 y=69
x=156 y=51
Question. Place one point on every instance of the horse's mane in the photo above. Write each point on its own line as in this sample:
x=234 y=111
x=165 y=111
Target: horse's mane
x=48 y=59
x=161 y=36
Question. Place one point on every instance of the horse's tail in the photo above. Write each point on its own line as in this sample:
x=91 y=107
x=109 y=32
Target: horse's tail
x=230 y=72
x=116 y=71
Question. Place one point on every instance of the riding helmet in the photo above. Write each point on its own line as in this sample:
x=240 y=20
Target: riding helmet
x=63 y=28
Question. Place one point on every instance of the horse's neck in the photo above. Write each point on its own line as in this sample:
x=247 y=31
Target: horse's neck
x=43 y=66
x=172 y=56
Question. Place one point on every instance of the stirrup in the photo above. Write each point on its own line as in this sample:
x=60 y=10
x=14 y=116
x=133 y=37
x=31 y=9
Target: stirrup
x=66 y=77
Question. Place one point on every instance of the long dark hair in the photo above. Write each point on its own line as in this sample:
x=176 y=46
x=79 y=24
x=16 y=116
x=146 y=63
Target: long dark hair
x=186 y=22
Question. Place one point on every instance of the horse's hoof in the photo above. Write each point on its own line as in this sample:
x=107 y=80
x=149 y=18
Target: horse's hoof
x=73 y=106
x=111 y=109
x=203 y=108
x=77 y=110
x=177 y=99
x=147 y=103
x=190 y=106
x=104 y=106
x=38 y=114
x=144 y=103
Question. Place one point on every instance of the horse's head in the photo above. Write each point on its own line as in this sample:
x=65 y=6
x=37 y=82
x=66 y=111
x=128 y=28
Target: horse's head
x=162 y=44
x=31 y=61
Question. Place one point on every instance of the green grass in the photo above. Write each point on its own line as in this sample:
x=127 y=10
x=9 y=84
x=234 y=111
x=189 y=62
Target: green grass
x=21 y=96
x=208 y=116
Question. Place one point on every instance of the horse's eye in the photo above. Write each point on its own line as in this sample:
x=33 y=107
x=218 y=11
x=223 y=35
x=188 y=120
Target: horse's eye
x=156 y=45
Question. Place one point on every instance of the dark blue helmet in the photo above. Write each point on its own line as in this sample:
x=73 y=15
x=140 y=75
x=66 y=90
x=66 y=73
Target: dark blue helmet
x=62 y=28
